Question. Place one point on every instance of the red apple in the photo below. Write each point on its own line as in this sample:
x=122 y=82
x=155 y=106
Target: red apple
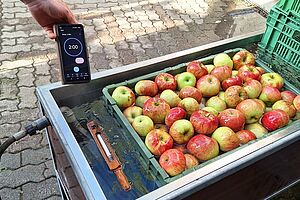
x=275 y=119
x=245 y=136
x=222 y=73
x=247 y=72
x=189 y=91
x=208 y=85
x=251 y=109
x=158 y=141
x=232 y=118
x=204 y=122
x=173 y=162
x=140 y=100
x=286 y=107
x=296 y=102
x=288 y=96
x=157 y=109
x=197 y=68
x=272 y=79
x=123 y=96
x=174 y=115
x=190 y=161
x=146 y=88
x=226 y=138
x=253 y=88
x=132 y=112
x=165 y=81
x=269 y=95
x=189 y=105
x=236 y=80
x=242 y=58
x=234 y=95
x=181 y=131
x=203 y=147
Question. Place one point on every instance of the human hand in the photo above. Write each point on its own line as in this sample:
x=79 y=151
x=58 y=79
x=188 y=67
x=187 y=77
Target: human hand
x=50 y=12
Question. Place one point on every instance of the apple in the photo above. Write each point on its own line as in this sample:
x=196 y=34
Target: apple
x=189 y=105
x=209 y=68
x=234 y=95
x=157 y=109
x=253 y=88
x=275 y=119
x=173 y=162
x=242 y=58
x=211 y=110
x=269 y=95
x=146 y=88
x=261 y=103
x=256 y=128
x=222 y=73
x=140 y=100
x=236 y=80
x=296 y=102
x=162 y=127
x=232 y=118
x=170 y=97
x=204 y=122
x=132 y=112
x=165 y=81
x=222 y=59
x=174 y=115
x=226 y=138
x=158 y=141
x=208 y=85
x=181 y=131
x=143 y=125
x=286 y=107
x=222 y=95
x=189 y=91
x=197 y=68
x=247 y=72
x=272 y=79
x=203 y=147
x=123 y=96
x=245 y=136
x=261 y=70
x=234 y=73
x=251 y=109
x=217 y=103
x=185 y=79
x=288 y=96
x=190 y=161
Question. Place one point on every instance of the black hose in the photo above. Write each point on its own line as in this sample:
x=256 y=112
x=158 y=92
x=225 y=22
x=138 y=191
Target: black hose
x=6 y=144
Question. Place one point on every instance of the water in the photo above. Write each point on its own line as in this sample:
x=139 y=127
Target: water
x=140 y=178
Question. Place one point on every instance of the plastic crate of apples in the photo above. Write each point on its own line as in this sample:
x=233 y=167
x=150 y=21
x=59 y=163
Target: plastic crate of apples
x=208 y=109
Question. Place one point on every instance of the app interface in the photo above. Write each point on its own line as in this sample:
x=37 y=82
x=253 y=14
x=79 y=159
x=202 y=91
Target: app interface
x=74 y=55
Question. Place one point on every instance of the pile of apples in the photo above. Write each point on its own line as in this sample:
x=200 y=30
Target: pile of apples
x=194 y=116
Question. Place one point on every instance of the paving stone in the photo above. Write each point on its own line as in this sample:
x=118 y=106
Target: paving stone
x=35 y=156
x=8 y=88
x=42 y=80
x=8 y=130
x=14 y=34
x=9 y=42
x=8 y=73
x=49 y=167
x=9 y=105
x=16 y=64
x=42 y=68
x=27 y=97
x=10 y=194
x=15 y=48
x=19 y=115
x=25 y=76
x=10 y=161
x=7 y=56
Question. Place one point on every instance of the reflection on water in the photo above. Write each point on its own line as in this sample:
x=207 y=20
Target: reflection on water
x=141 y=180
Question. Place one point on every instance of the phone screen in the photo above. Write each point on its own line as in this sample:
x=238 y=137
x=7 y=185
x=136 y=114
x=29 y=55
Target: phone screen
x=73 y=54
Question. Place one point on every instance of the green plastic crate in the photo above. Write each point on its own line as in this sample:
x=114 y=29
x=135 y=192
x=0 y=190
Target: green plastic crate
x=281 y=40
x=151 y=162
x=289 y=6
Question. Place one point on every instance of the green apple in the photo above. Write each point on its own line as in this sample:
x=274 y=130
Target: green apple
x=217 y=103
x=223 y=59
x=132 y=112
x=140 y=100
x=143 y=125
x=189 y=104
x=226 y=138
x=272 y=79
x=257 y=129
x=185 y=79
x=211 y=110
x=181 y=131
x=123 y=96
x=170 y=97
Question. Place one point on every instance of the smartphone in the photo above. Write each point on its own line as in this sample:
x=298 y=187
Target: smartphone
x=72 y=53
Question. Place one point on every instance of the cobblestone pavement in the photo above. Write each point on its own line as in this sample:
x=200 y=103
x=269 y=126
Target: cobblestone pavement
x=118 y=32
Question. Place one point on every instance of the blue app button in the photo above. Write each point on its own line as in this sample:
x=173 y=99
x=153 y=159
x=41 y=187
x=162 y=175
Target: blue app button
x=76 y=69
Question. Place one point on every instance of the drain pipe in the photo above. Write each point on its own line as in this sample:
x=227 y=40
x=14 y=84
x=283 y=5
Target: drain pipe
x=30 y=129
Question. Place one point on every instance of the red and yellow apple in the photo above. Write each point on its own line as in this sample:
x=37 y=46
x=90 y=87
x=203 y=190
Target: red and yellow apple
x=158 y=141
x=245 y=136
x=181 y=131
x=165 y=81
x=208 y=85
x=226 y=138
x=242 y=58
x=197 y=68
x=275 y=119
x=190 y=161
x=234 y=95
x=232 y=118
x=123 y=96
x=204 y=122
x=146 y=88
x=173 y=115
x=251 y=109
x=157 y=109
x=132 y=112
x=173 y=162
x=189 y=91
